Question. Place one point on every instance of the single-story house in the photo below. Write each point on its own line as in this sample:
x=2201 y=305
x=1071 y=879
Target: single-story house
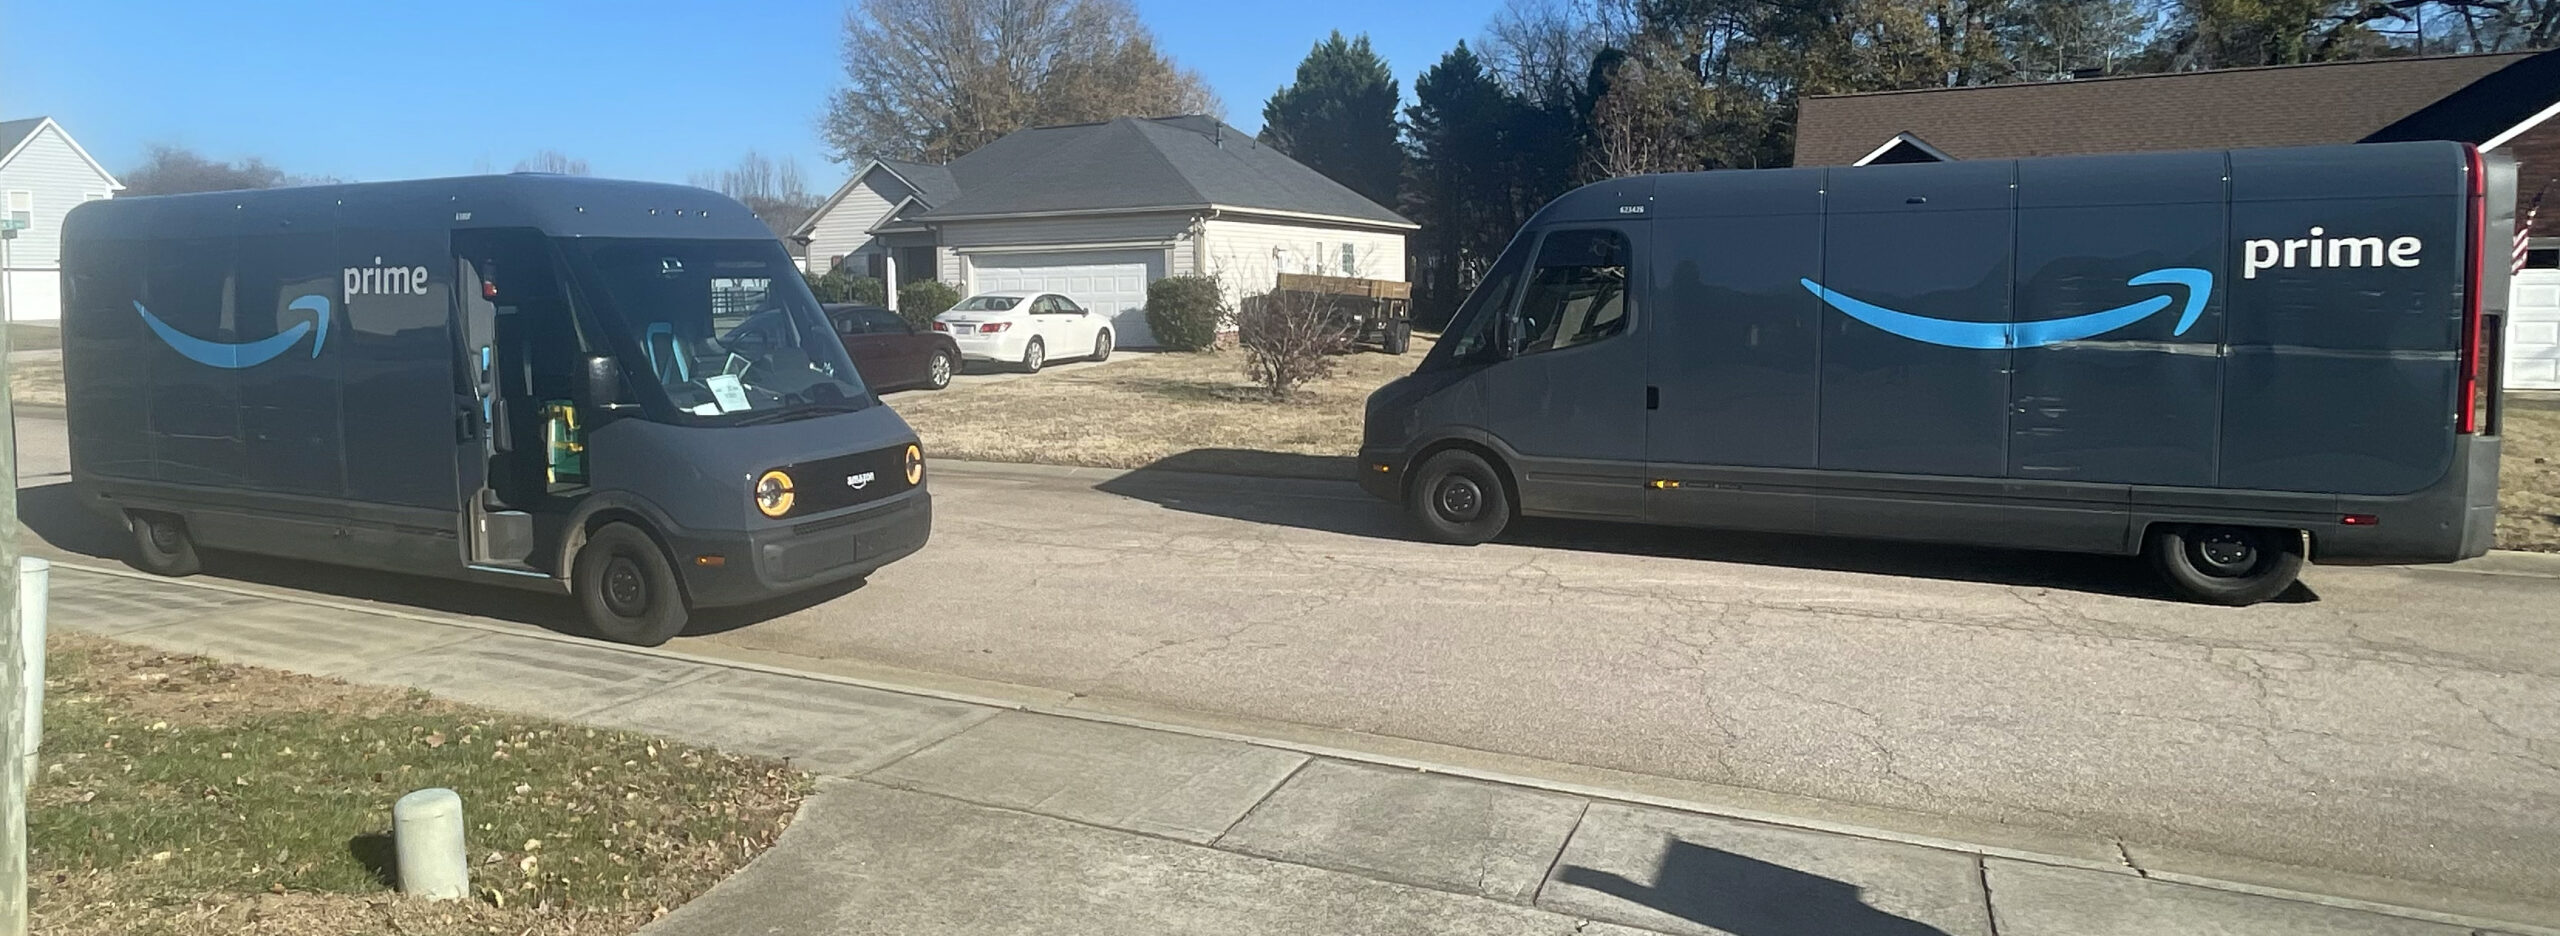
x=2502 y=102
x=43 y=174
x=1098 y=211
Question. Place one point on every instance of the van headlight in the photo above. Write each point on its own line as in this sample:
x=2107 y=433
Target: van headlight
x=773 y=493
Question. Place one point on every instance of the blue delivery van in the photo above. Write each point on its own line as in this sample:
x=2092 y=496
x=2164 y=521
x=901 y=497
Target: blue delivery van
x=2229 y=362
x=618 y=391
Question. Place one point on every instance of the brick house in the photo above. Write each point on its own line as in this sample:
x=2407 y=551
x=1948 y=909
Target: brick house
x=2501 y=102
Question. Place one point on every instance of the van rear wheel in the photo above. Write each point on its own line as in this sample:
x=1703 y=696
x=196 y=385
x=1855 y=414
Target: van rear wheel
x=1458 y=498
x=628 y=588
x=2226 y=565
x=161 y=545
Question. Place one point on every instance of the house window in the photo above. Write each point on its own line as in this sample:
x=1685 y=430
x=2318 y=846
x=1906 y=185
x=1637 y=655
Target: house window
x=22 y=205
x=1350 y=260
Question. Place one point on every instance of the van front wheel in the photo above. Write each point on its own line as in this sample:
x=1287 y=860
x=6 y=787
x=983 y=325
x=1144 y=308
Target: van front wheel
x=2226 y=565
x=1458 y=498
x=628 y=588
x=161 y=545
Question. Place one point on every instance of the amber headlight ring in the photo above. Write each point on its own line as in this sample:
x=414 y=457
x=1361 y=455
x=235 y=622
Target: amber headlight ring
x=773 y=494
x=915 y=464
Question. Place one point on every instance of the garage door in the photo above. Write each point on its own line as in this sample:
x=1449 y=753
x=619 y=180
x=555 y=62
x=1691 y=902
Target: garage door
x=2533 y=331
x=1109 y=282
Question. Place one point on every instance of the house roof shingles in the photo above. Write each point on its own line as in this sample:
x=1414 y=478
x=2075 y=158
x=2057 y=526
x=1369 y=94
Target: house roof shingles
x=2336 y=102
x=1135 y=163
x=14 y=132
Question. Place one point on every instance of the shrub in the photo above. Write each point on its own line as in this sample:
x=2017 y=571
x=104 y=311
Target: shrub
x=921 y=300
x=866 y=290
x=1184 y=312
x=839 y=286
x=829 y=287
x=1289 y=338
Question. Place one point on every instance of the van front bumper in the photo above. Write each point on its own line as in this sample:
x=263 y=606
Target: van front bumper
x=771 y=563
x=1382 y=473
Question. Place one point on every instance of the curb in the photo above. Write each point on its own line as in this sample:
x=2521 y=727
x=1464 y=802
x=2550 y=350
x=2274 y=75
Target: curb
x=1585 y=790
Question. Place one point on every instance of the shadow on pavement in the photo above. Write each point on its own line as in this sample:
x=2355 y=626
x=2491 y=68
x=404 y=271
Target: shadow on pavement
x=1745 y=896
x=1338 y=506
x=52 y=513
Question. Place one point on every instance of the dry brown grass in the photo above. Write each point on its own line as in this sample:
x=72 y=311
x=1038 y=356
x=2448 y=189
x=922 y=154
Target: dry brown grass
x=1190 y=411
x=191 y=798
x=2529 y=477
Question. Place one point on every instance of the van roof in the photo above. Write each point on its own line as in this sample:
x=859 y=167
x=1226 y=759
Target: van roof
x=563 y=206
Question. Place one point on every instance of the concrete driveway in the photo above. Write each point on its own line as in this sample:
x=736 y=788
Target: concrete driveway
x=2387 y=733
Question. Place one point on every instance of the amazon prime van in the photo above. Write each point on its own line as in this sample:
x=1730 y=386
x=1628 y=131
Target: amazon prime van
x=618 y=391
x=2230 y=362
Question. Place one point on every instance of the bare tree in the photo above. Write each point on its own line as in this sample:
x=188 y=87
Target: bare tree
x=934 y=79
x=773 y=190
x=172 y=170
x=552 y=161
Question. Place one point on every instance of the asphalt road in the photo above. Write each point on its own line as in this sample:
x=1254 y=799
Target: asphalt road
x=2397 y=723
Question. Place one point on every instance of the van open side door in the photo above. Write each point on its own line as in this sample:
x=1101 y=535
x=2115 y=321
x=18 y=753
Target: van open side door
x=496 y=535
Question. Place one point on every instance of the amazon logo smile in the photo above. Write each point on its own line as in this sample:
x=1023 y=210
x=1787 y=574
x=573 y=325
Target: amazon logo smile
x=1995 y=335
x=233 y=356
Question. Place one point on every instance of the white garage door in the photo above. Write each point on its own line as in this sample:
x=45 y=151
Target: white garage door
x=2533 y=331
x=34 y=295
x=1109 y=282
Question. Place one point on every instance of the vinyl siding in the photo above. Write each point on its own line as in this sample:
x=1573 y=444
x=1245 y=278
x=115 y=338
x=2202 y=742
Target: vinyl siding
x=1249 y=256
x=841 y=231
x=52 y=171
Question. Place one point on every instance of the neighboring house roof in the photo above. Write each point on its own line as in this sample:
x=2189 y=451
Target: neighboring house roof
x=1124 y=165
x=15 y=134
x=932 y=183
x=1140 y=164
x=2459 y=97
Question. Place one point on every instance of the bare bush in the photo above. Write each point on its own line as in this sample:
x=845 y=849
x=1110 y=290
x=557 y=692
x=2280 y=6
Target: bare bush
x=1290 y=338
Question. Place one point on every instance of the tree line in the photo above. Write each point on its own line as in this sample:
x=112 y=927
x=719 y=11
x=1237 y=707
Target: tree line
x=1557 y=93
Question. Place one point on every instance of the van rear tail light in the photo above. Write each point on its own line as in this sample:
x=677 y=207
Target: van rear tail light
x=2467 y=415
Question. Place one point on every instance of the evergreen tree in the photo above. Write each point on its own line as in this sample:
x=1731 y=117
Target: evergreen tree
x=1339 y=118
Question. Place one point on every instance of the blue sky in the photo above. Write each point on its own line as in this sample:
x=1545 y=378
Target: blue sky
x=640 y=89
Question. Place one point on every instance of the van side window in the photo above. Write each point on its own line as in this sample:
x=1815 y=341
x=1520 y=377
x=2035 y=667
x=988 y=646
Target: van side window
x=1579 y=293
x=1474 y=332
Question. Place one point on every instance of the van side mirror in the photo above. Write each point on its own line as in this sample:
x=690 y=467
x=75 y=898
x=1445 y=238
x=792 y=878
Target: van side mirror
x=604 y=383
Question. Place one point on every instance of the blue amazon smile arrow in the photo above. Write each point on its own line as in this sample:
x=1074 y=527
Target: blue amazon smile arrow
x=1994 y=335
x=232 y=356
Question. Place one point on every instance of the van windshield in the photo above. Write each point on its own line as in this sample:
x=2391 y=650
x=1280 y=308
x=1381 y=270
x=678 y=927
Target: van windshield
x=716 y=331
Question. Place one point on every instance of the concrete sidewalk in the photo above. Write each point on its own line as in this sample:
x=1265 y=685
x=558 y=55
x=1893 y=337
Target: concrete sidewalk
x=946 y=814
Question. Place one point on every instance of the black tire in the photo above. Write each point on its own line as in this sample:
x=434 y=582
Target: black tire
x=2225 y=565
x=1398 y=339
x=628 y=588
x=162 y=546
x=1034 y=355
x=1101 y=346
x=1457 y=498
x=937 y=372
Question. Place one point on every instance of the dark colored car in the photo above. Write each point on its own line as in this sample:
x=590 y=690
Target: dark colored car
x=891 y=353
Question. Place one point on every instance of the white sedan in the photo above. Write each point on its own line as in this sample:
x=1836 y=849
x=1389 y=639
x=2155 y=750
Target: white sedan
x=1025 y=330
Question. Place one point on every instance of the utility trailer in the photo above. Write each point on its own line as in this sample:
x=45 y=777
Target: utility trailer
x=1380 y=311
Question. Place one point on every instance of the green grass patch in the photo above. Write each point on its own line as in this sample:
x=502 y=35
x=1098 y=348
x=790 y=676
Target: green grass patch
x=181 y=795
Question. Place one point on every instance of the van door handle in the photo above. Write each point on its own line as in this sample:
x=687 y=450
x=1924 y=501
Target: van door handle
x=1653 y=398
